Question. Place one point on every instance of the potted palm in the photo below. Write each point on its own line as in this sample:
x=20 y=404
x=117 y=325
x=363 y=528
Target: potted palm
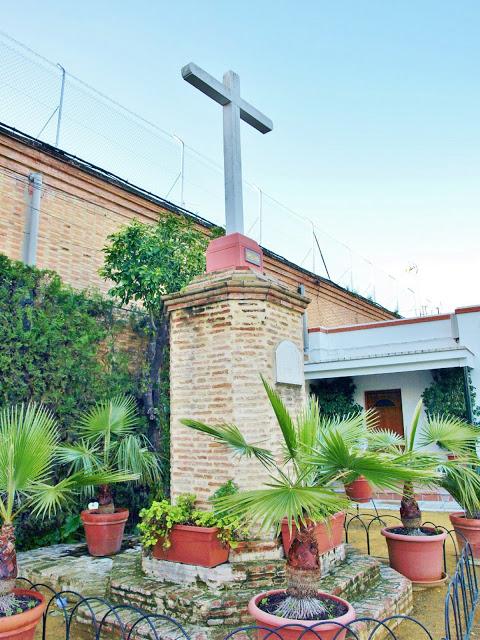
x=414 y=550
x=357 y=487
x=463 y=487
x=28 y=446
x=109 y=442
x=296 y=492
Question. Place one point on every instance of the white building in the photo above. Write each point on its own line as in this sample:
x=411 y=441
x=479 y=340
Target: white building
x=391 y=362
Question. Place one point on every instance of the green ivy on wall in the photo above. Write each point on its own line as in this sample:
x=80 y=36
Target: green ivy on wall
x=446 y=394
x=335 y=396
x=57 y=345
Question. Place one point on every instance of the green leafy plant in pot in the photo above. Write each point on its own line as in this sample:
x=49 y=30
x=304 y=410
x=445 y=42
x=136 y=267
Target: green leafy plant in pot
x=109 y=442
x=181 y=533
x=414 y=550
x=464 y=487
x=295 y=492
x=29 y=440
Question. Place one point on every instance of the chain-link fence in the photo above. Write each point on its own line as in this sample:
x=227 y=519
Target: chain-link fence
x=42 y=99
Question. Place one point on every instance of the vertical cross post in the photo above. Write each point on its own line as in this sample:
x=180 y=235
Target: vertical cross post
x=232 y=156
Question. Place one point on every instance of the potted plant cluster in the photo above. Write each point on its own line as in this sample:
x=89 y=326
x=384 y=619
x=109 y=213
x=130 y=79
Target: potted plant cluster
x=180 y=533
x=29 y=439
x=414 y=550
x=109 y=442
x=300 y=490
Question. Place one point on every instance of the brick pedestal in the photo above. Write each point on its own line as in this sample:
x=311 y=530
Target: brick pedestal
x=225 y=328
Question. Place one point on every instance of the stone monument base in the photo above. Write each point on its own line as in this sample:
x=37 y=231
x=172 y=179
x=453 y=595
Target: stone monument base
x=210 y=612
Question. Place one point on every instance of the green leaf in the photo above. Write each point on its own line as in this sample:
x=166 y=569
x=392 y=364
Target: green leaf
x=230 y=435
x=450 y=433
x=269 y=506
x=284 y=420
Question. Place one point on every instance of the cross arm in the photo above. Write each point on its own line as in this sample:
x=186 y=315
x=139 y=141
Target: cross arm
x=216 y=90
x=206 y=83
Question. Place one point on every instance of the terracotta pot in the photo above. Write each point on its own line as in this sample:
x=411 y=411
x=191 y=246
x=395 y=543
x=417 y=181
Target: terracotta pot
x=419 y=558
x=328 y=536
x=104 y=531
x=469 y=529
x=22 y=626
x=359 y=490
x=324 y=630
x=193 y=545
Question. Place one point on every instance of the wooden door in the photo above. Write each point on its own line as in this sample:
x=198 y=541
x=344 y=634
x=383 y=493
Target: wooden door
x=388 y=405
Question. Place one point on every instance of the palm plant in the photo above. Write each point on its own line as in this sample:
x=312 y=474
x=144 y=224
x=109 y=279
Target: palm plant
x=29 y=440
x=108 y=442
x=300 y=488
x=457 y=475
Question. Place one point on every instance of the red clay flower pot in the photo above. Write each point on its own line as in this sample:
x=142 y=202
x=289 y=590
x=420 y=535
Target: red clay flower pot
x=359 y=490
x=325 y=630
x=104 y=531
x=22 y=626
x=193 y=545
x=328 y=536
x=469 y=529
x=419 y=558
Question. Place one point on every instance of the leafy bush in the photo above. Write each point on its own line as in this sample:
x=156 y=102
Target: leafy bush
x=157 y=521
x=446 y=394
x=144 y=262
x=229 y=488
x=59 y=346
x=335 y=397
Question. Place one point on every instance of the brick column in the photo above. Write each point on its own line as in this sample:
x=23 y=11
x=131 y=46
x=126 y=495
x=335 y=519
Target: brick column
x=225 y=328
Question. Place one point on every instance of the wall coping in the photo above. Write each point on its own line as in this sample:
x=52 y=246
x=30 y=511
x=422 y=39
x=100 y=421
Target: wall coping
x=239 y=284
x=383 y=323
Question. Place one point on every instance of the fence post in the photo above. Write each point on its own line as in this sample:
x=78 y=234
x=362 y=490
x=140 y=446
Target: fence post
x=32 y=222
x=60 y=106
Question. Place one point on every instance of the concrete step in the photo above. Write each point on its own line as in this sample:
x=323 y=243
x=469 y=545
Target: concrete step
x=390 y=595
x=227 y=606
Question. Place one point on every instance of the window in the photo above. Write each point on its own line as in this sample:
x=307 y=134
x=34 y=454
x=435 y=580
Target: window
x=384 y=402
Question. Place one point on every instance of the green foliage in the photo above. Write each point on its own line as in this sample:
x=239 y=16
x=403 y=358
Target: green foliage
x=109 y=442
x=29 y=439
x=228 y=488
x=316 y=453
x=446 y=394
x=147 y=261
x=57 y=345
x=67 y=529
x=157 y=521
x=335 y=396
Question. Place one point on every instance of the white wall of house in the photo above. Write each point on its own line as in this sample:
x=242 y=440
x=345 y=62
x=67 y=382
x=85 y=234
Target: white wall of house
x=397 y=354
x=412 y=384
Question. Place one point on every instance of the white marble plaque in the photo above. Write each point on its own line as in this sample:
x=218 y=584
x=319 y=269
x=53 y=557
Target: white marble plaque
x=289 y=364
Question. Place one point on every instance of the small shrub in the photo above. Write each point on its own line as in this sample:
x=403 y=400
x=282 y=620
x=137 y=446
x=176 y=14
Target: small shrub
x=157 y=521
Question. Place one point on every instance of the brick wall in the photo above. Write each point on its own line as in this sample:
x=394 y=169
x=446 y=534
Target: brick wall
x=223 y=336
x=81 y=207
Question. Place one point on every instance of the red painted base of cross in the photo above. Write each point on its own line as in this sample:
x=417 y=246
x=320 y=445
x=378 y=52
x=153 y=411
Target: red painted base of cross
x=234 y=251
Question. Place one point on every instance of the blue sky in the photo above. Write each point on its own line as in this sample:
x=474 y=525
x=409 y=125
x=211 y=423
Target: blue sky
x=375 y=108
